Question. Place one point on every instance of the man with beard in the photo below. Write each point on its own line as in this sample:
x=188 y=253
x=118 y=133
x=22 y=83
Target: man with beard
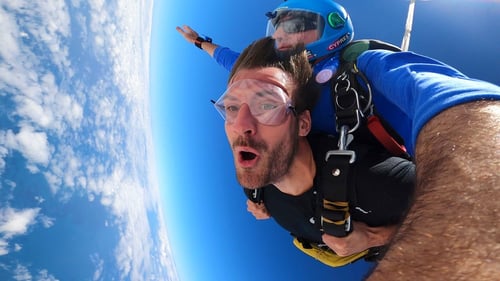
x=267 y=112
x=452 y=223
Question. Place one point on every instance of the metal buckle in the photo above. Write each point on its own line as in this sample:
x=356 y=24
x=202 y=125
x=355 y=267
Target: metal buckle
x=350 y=153
x=344 y=140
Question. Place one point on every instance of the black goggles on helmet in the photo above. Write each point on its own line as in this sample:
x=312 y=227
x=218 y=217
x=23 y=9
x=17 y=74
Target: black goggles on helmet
x=296 y=21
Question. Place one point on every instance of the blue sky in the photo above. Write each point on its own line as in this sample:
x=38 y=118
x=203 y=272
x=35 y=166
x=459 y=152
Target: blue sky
x=212 y=236
x=78 y=197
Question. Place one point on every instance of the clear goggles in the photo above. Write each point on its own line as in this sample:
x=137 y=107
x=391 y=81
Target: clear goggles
x=294 y=21
x=268 y=103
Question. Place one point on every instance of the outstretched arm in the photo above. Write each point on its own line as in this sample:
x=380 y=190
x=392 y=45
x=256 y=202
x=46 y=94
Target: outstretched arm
x=224 y=56
x=190 y=35
x=452 y=232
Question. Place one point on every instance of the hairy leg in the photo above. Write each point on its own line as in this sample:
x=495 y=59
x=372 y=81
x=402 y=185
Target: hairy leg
x=452 y=231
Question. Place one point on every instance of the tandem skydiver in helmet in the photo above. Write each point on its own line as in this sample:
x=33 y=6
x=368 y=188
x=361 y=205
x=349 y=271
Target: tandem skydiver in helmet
x=325 y=28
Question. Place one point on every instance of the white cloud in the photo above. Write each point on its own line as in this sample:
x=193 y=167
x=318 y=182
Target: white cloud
x=3 y=153
x=21 y=273
x=48 y=24
x=33 y=34
x=4 y=247
x=32 y=145
x=46 y=221
x=32 y=110
x=10 y=183
x=43 y=275
x=166 y=258
x=99 y=266
x=16 y=222
x=65 y=169
x=8 y=36
x=42 y=103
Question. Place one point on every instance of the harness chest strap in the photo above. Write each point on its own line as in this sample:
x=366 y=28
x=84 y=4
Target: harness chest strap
x=335 y=215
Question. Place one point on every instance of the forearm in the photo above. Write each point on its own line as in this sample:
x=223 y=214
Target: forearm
x=363 y=237
x=191 y=36
x=452 y=230
x=380 y=236
x=209 y=48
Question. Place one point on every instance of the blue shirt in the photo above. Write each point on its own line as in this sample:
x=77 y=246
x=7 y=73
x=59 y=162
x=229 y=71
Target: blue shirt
x=225 y=57
x=409 y=89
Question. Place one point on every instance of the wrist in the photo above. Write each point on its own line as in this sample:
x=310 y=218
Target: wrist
x=199 y=40
x=379 y=236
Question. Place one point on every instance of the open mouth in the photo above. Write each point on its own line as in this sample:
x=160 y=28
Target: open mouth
x=284 y=48
x=247 y=156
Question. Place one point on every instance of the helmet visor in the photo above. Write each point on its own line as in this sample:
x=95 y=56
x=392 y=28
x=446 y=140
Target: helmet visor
x=296 y=23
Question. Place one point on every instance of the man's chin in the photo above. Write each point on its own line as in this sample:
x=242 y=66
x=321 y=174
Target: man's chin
x=251 y=180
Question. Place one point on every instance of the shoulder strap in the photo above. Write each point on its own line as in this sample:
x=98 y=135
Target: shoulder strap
x=335 y=216
x=352 y=51
x=353 y=101
x=353 y=108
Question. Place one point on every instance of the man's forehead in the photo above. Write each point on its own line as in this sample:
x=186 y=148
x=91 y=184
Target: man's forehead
x=271 y=75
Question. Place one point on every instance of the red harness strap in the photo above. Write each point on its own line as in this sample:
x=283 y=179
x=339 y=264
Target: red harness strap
x=381 y=134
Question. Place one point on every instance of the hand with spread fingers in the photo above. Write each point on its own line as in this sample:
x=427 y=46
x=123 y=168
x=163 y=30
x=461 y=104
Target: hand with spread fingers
x=188 y=33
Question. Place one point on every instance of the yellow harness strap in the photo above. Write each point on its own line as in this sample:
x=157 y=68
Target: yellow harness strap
x=327 y=256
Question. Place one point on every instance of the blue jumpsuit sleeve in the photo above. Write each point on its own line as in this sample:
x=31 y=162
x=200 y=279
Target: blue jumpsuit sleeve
x=410 y=89
x=225 y=57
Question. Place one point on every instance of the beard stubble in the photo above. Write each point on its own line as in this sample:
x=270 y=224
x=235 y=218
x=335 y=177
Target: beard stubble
x=274 y=163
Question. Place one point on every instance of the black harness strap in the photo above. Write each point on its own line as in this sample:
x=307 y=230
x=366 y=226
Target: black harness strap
x=353 y=105
x=335 y=216
x=255 y=195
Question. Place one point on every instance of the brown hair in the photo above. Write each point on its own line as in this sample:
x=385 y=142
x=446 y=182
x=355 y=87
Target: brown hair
x=262 y=53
